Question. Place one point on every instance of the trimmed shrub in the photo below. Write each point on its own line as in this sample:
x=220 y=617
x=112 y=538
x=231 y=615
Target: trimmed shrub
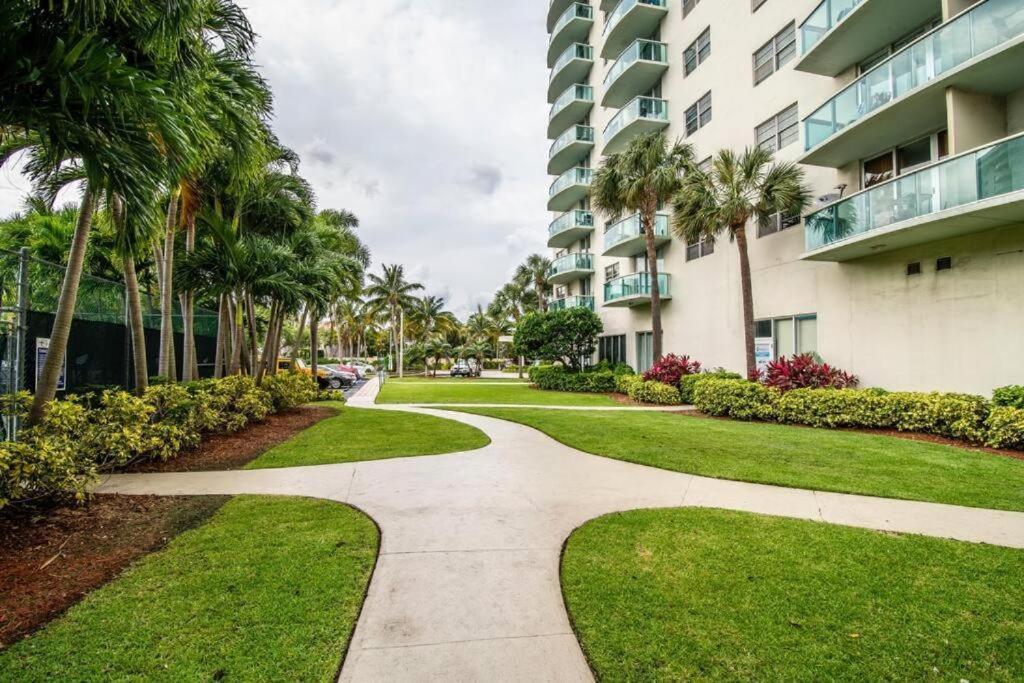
x=657 y=393
x=834 y=408
x=688 y=382
x=289 y=390
x=805 y=372
x=624 y=384
x=1009 y=397
x=558 y=378
x=735 y=398
x=1005 y=428
x=672 y=368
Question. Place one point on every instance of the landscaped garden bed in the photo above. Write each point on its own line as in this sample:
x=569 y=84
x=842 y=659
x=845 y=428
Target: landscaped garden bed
x=712 y=595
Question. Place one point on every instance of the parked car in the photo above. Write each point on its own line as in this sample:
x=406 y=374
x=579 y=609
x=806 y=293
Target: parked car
x=323 y=375
x=363 y=368
x=340 y=378
x=464 y=369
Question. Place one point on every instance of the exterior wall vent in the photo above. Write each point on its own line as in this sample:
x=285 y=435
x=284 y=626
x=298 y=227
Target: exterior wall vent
x=944 y=263
x=914 y=268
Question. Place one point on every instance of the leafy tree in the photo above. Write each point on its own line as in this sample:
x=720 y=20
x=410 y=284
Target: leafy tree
x=738 y=188
x=639 y=180
x=569 y=336
x=534 y=273
x=389 y=293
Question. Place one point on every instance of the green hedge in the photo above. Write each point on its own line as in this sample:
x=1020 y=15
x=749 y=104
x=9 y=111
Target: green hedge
x=649 y=391
x=81 y=436
x=957 y=416
x=1009 y=397
x=600 y=380
x=688 y=382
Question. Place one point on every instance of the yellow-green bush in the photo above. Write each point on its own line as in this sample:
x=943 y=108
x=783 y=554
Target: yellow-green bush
x=289 y=389
x=654 y=392
x=624 y=384
x=1005 y=428
x=688 y=382
x=735 y=398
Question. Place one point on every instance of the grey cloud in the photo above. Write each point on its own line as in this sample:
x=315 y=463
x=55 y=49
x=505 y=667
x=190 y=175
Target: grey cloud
x=485 y=179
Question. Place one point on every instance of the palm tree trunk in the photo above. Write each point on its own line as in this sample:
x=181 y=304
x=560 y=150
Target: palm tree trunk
x=46 y=388
x=298 y=334
x=131 y=282
x=222 y=328
x=657 y=334
x=189 y=371
x=167 y=362
x=747 y=291
x=538 y=284
x=250 y=319
x=314 y=344
x=263 y=365
x=236 y=334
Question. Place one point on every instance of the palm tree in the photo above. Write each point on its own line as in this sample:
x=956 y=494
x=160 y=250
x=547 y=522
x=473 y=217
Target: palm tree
x=639 y=180
x=390 y=293
x=430 y=317
x=736 y=190
x=534 y=270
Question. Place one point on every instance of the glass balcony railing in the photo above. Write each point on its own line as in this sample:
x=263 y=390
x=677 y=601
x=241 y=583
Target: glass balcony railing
x=639 y=108
x=572 y=302
x=574 y=176
x=978 y=175
x=574 y=51
x=574 y=134
x=576 y=11
x=629 y=228
x=623 y=8
x=571 y=219
x=640 y=50
x=988 y=25
x=574 y=93
x=635 y=285
x=570 y=263
x=822 y=20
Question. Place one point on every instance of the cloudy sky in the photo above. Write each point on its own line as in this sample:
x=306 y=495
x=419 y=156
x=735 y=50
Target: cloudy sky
x=425 y=117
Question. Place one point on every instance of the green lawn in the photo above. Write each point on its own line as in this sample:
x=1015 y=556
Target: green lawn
x=269 y=589
x=442 y=379
x=366 y=434
x=712 y=595
x=473 y=392
x=820 y=459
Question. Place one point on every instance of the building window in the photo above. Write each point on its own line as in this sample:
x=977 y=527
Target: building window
x=789 y=336
x=612 y=349
x=699 y=249
x=644 y=351
x=904 y=159
x=775 y=53
x=888 y=51
x=699 y=114
x=698 y=52
x=780 y=130
x=777 y=223
x=689 y=6
x=611 y=272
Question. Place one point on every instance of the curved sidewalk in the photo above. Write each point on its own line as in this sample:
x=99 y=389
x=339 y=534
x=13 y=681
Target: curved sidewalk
x=467 y=582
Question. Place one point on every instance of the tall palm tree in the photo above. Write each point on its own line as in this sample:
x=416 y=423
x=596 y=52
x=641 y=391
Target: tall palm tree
x=534 y=270
x=430 y=317
x=736 y=190
x=390 y=293
x=639 y=180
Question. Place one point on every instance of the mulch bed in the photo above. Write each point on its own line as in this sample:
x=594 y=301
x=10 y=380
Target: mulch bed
x=230 y=451
x=50 y=558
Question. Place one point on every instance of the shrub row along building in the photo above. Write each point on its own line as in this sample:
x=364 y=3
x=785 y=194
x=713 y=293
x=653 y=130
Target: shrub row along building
x=908 y=118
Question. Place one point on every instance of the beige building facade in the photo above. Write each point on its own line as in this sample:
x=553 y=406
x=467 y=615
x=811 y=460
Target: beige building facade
x=908 y=118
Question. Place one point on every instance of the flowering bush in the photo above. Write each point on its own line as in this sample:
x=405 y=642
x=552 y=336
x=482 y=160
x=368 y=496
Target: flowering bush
x=671 y=369
x=805 y=372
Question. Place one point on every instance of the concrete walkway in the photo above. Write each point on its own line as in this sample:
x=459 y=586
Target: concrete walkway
x=467 y=587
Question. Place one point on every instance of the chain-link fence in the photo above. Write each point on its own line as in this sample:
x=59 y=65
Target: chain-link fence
x=99 y=346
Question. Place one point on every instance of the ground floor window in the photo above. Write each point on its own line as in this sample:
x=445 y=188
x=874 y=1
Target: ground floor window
x=788 y=336
x=644 y=351
x=612 y=348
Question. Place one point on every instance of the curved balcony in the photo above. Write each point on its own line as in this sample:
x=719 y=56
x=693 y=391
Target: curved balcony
x=981 y=50
x=626 y=238
x=555 y=10
x=572 y=106
x=570 y=187
x=641 y=115
x=572 y=302
x=631 y=19
x=841 y=33
x=635 y=289
x=572 y=66
x=572 y=27
x=979 y=190
x=570 y=148
x=636 y=71
x=570 y=227
x=570 y=267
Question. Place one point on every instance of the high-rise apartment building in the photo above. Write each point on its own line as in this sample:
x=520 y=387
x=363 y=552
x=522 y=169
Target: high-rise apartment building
x=908 y=118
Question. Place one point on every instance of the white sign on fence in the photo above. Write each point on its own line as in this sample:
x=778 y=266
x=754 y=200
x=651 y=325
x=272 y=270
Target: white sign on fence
x=42 y=349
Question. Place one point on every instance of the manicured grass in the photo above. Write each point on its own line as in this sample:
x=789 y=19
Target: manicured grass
x=692 y=594
x=511 y=393
x=269 y=589
x=444 y=379
x=357 y=434
x=845 y=462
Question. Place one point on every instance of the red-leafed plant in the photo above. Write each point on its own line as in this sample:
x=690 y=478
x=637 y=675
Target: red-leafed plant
x=805 y=372
x=672 y=368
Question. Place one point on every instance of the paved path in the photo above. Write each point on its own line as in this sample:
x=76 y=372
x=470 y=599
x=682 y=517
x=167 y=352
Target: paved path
x=466 y=586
